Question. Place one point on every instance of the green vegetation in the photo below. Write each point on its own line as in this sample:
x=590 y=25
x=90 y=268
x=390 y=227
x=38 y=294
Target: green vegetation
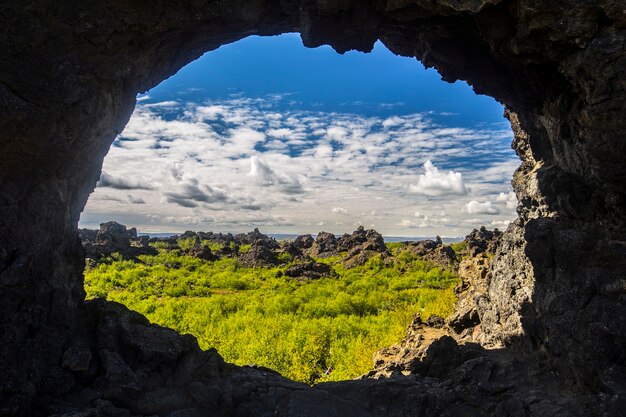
x=394 y=247
x=256 y=316
x=459 y=247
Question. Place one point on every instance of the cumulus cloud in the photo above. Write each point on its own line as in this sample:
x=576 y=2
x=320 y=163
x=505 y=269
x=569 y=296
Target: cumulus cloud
x=475 y=207
x=135 y=200
x=191 y=193
x=439 y=183
x=230 y=164
x=510 y=199
x=265 y=176
x=500 y=224
x=110 y=181
x=261 y=172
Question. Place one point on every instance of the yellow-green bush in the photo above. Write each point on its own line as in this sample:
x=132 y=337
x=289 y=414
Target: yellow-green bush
x=256 y=316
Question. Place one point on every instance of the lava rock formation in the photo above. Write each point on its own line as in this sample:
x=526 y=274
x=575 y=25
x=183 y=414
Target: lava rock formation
x=553 y=312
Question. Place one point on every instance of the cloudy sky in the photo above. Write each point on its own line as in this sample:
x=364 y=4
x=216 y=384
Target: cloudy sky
x=266 y=133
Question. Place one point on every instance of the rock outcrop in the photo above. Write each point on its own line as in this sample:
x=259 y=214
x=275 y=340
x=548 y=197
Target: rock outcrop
x=69 y=79
x=258 y=256
x=473 y=275
x=401 y=359
x=463 y=325
x=482 y=240
x=309 y=269
x=355 y=249
x=436 y=252
x=325 y=246
x=111 y=238
x=303 y=242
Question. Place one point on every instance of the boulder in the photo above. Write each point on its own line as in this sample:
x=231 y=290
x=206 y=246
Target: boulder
x=369 y=240
x=201 y=252
x=325 y=246
x=482 y=240
x=258 y=256
x=256 y=237
x=303 y=241
x=310 y=270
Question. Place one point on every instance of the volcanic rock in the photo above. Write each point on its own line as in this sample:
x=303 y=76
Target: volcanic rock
x=292 y=250
x=361 y=245
x=435 y=321
x=201 y=252
x=369 y=240
x=325 y=246
x=473 y=275
x=303 y=241
x=113 y=237
x=219 y=238
x=258 y=256
x=436 y=252
x=310 y=270
x=256 y=237
x=400 y=359
x=482 y=240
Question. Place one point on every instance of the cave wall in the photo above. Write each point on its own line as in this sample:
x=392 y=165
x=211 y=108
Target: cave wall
x=70 y=72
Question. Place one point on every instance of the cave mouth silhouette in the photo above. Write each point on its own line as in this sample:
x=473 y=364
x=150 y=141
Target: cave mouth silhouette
x=557 y=284
x=157 y=107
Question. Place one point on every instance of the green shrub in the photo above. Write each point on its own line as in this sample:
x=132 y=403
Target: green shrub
x=186 y=243
x=254 y=316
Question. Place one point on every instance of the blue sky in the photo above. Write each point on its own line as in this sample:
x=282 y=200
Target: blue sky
x=266 y=133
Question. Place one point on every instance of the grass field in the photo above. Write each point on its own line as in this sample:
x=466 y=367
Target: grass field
x=301 y=328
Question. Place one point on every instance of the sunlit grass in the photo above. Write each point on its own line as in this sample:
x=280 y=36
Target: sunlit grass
x=257 y=316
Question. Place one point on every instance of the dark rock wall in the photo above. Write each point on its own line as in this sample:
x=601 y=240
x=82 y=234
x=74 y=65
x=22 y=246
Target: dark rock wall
x=70 y=72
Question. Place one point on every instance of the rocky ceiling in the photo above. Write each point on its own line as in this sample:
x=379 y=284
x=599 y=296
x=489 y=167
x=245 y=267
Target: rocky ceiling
x=555 y=306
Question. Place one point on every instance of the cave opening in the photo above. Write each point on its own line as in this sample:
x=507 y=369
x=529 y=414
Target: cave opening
x=555 y=297
x=264 y=133
x=261 y=140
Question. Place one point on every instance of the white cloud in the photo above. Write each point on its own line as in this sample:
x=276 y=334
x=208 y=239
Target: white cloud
x=191 y=194
x=475 y=207
x=510 y=199
x=500 y=224
x=438 y=183
x=261 y=171
x=230 y=164
x=265 y=176
x=119 y=183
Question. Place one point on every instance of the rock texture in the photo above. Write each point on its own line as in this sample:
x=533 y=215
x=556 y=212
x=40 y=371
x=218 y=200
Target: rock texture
x=411 y=355
x=436 y=252
x=310 y=270
x=355 y=249
x=114 y=238
x=258 y=255
x=69 y=75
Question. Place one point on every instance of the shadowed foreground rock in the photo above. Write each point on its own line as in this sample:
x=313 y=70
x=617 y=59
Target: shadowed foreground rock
x=120 y=365
x=69 y=76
